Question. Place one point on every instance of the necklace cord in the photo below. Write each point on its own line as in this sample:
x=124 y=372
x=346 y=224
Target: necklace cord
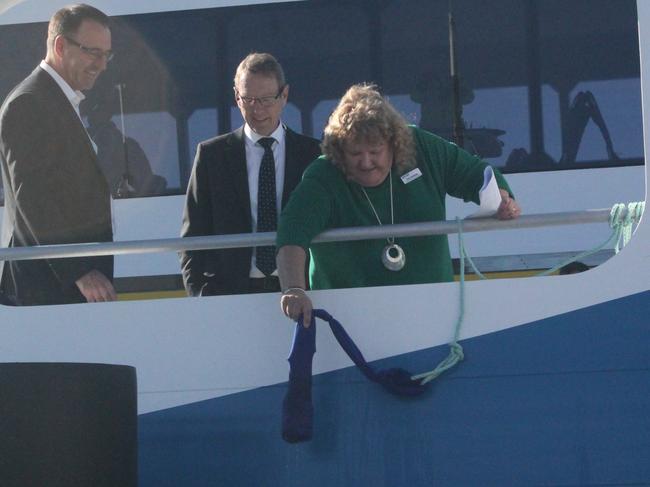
x=391 y=240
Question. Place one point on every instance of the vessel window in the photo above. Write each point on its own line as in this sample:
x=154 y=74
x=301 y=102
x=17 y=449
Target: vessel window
x=157 y=134
x=202 y=125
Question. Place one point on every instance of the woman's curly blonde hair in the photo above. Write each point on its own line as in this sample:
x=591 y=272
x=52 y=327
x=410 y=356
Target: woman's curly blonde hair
x=364 y=115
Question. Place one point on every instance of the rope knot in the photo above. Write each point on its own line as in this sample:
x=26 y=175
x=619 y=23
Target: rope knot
x=457 y=351
x=622 y=218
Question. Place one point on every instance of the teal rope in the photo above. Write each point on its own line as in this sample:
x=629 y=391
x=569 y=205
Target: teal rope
x=621 y=223
x=632 y=216
x=456 y=353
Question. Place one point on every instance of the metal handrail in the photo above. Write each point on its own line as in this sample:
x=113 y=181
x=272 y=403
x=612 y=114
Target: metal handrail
x=268 y=238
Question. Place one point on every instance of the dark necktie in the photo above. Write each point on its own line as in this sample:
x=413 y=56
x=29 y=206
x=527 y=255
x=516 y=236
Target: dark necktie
x=266 y=206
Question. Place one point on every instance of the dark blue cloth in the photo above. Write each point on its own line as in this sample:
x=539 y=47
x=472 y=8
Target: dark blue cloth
x=297 y=408
x=397 y=381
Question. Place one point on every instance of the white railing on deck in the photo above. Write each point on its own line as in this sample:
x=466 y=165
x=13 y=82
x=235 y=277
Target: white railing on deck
x=268 y=238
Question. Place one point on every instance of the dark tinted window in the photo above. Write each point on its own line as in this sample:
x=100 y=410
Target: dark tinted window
x=545 y=84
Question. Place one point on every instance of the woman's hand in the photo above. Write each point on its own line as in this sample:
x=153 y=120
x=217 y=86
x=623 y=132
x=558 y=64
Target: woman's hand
x=509 y=208
x=295 y=303
x=291 y=269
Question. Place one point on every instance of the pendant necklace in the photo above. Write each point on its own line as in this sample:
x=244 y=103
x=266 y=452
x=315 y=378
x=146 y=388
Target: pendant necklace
x=392 y=256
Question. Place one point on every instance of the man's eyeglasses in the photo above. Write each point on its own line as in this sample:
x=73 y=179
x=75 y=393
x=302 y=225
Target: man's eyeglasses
x=265 y=101
x=94 y=52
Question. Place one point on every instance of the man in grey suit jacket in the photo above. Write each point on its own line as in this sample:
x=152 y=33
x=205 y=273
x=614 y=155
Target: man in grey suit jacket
x=55 y=192
x=226 y=191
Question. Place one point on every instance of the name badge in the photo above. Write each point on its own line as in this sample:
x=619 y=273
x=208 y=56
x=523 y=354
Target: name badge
x=411 y=175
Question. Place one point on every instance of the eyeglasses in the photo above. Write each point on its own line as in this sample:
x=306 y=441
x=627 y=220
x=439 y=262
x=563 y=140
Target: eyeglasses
x=265 y=101
x=94 y=52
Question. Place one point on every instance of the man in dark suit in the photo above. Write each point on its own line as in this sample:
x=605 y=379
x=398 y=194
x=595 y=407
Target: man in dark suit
x=239 y=183
x=55 y=192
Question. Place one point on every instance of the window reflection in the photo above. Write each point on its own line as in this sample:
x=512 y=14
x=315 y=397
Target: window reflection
x=614 y=99
x=169 y=112
x=156 y=134
x=552 y=122
x=497 y=123
x=202 y=125
x=122 y=159
x=407 y=107
x=320 y=114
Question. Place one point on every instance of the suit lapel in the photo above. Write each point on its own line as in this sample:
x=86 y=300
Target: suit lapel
x=70 y=116
x=235 y=158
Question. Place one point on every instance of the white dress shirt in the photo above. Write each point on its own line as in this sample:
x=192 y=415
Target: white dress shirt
x=254 y=154
x=74 y=96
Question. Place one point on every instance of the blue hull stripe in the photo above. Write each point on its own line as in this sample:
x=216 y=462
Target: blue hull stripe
x=563 y=401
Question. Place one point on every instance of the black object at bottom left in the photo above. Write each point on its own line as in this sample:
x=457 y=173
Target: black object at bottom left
x=68 y=424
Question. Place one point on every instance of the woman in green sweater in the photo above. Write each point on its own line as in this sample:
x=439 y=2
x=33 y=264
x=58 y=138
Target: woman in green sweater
x=375 y=170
